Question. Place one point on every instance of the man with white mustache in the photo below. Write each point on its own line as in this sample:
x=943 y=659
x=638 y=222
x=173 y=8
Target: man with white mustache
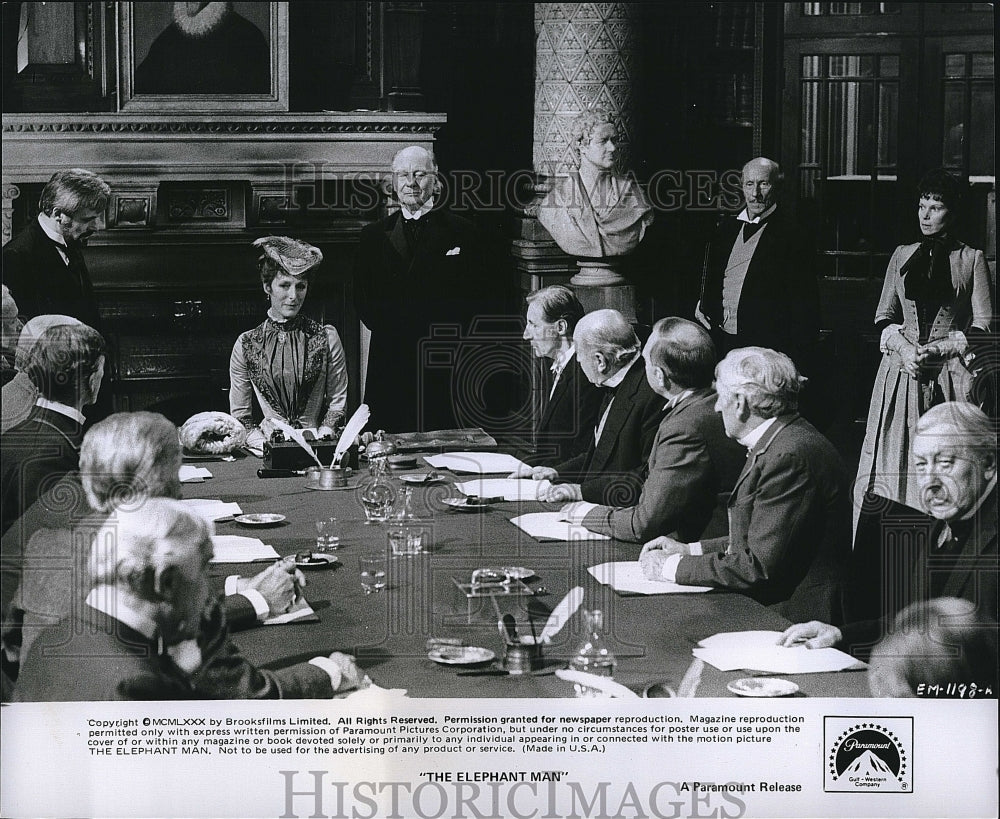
x=955 y=461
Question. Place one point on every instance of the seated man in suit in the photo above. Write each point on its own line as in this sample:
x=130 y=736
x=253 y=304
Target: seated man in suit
x=954 y=551
x=570 y=408
x=789 y=515
x=125 y=458
x=610 y=471
x=149 y=629
x=692 y=460
x=67 y=366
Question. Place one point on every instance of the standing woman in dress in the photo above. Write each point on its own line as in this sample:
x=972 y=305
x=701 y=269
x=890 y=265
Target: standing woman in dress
x=292 y=365
x=935 y=300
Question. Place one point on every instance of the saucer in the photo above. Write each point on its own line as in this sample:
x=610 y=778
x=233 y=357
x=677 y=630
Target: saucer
x=317 y=560
x=259 y=519
x=315 y=487
x=763 y=687
x=461 y=655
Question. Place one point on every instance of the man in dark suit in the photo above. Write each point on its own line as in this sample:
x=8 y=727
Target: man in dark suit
x=692 y=460
x=67 y=366
x=148 y=629
x=422 y=276
x=43 y=265
x=759 y=283
x=950 y=553
x=569 y=407
x=611 y=471
x=789 y=514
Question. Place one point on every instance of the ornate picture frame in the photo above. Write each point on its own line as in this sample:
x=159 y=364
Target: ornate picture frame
x=169 y=64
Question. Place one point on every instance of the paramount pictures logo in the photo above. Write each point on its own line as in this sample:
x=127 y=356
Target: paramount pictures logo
x=868 y=754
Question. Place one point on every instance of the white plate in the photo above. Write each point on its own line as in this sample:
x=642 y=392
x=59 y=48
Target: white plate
x=461 y=655
x=260 y=519
x=318 y=560
x=763 y=687
x=421 y=478
x=518 y=572
x=463 y=505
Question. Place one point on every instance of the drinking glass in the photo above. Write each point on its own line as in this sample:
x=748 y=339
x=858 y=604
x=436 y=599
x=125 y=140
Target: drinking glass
x=327 y=535
x=372 y=574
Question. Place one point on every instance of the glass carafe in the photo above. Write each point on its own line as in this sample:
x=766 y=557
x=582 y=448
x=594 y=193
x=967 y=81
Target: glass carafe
x=378 y=495
x=593 y=655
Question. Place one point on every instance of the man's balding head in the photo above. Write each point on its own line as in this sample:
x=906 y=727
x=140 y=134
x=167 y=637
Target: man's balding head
x=605 y=343
x=679 y=355
x=761 y=182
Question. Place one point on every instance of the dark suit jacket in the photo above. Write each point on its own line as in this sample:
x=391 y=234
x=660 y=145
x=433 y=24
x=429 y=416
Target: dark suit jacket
x=612 y=472
x=779 y=302
x=789 y=527
x=691 y=462
x=419 y=306
x=103 y=659
x=36 y=454
x=897 y=562
x=41 y=282
x=566 y=427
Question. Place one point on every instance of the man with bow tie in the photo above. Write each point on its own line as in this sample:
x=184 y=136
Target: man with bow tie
x=43 y=265
x=149 y=629
x=611 y=470
x=692 y=460
x=951 y=553
x=422 y=275
x=789 y=514
x=758 y=284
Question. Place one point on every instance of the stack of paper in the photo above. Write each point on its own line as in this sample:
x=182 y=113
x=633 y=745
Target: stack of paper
x=758 y=650
x=627 y=577
x=548 y=526
x=193 y=474
x=211 y=509
x=239 y=549
x=480 y=463
x=510 y=489
x=300 y=610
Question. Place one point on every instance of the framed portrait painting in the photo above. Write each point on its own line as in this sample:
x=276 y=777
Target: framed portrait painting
x=203 y=57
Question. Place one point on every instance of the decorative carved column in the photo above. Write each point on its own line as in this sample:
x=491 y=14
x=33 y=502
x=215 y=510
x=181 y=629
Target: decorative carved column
x=403 y=41
x=10 y=193
x=584 y=59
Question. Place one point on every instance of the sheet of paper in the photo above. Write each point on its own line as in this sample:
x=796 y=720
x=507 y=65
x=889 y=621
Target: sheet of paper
x=301 y=610
x=627 y=576
x=483 y=463
x=189 y=473
x=510 y=489
x=239 y=549
x=757 y=650
x=211 y=509
x=548 y=526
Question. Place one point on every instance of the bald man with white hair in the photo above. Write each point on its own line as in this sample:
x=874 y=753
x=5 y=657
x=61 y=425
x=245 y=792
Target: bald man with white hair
x=759 y=280
x=421 y=274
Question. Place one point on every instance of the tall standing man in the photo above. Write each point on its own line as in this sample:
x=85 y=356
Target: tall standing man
x=759 y=283
x=421 y=278
x=43 y=265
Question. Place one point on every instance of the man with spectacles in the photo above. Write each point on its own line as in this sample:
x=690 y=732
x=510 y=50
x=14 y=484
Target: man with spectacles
x=951 y=554
x=421 y=277
x=43 y=265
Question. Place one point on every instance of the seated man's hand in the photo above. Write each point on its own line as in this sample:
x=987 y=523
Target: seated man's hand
x=563 y=493
x=278 y=584
x=652 y=564
x=351 y=675
x=575 y=512
x=544 y=473
x=813 y=634
x=667 y=545
x=523 y=471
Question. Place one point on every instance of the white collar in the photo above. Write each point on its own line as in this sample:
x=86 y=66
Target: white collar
x=751 y=438
x=62 y=409
x=745 y=217
x=982 y=499
x=110 y=601
x=560 y=361
x=618 y=377
x=204 y=22
x=425 y=208
x=48 y=226
x=673 y=402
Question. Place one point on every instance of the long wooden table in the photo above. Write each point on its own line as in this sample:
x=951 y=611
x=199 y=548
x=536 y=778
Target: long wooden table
x=651 y=636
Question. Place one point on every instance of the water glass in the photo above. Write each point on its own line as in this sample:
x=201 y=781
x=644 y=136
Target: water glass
x=406 y=538
x=372 y=574
x=327 y=535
